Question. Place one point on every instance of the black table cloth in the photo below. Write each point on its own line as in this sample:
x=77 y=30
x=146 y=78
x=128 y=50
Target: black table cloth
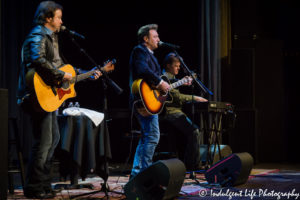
x=84 y=148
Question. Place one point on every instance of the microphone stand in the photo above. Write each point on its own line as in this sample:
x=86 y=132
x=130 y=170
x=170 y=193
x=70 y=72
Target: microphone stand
x=118 y=90
x=204 y=89
x=197 y=81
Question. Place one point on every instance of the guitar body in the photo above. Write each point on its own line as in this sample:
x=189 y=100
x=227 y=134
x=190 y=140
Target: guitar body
x=153 y=100
x=49 y=97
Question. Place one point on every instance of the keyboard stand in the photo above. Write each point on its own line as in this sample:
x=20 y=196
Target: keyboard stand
x=211 y=115
x=214 y=137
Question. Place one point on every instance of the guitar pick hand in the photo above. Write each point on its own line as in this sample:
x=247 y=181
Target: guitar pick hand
x=67 y=76
x=164 y=86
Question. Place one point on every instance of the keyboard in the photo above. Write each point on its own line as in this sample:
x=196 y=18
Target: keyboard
x=210 y=106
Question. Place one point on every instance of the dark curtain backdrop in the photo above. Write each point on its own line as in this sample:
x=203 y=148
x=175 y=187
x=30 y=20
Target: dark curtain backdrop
x=12 y=34
x=209 y=46
x=16 y=17
x=200 y=46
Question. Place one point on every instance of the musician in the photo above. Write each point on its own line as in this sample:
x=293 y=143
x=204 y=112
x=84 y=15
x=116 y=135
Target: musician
x=40 y=52
x=174 y=115
x=143 y=64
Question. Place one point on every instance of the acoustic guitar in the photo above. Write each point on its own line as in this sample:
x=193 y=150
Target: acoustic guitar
x=152 y=99
x=51 y=97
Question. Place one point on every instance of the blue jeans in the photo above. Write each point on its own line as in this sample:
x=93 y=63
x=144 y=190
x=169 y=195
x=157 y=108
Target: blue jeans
x=147 y=143
x=46 y=137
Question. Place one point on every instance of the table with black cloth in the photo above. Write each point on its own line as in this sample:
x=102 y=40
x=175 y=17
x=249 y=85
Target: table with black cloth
x=84 y=148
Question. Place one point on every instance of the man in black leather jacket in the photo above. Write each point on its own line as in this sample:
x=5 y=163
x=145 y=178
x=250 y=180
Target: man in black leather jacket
x=40 y=52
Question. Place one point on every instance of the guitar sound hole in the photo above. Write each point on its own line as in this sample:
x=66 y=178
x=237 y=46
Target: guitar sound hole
x=65 y=85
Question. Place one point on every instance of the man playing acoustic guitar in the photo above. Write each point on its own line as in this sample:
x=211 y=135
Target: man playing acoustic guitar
x=188 y=132
x=40 y=53
x=144 y=65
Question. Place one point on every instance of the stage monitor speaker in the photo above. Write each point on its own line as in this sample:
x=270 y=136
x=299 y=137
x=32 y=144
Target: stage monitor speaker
x=3 y=142
x=225 y=151
x=162 y=180
x=230 y=171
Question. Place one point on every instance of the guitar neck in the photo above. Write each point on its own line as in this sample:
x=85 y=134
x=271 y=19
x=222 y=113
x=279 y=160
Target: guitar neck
x=84 y=76
x=179 y=83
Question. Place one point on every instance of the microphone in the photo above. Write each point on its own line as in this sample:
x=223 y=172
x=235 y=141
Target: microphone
x=164 y=44
x=64 y=29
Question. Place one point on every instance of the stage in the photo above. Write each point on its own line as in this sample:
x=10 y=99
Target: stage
x=264 y=182
x=246 y=52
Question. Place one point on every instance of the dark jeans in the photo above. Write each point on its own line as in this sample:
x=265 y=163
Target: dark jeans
x=189 y=137
x=46 y=137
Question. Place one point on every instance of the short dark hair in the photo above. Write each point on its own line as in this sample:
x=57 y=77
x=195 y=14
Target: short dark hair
x=144 y=31
x=170 y=58
x=46 y=9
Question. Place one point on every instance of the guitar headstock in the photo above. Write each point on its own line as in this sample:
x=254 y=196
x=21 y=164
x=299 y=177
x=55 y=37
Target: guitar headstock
x=109 y=65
